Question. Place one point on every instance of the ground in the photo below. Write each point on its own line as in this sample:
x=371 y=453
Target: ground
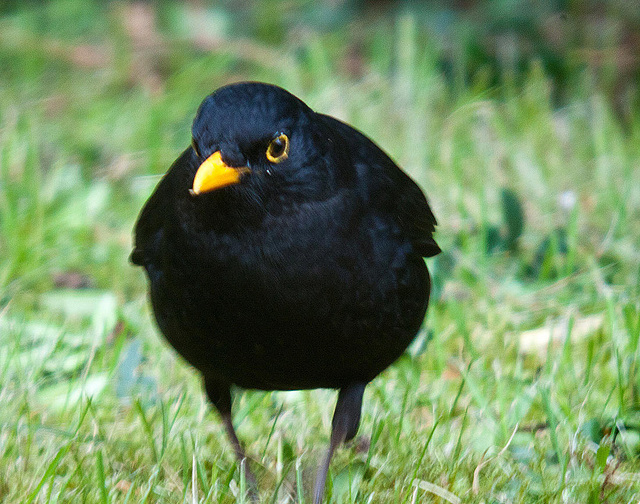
x=523 y=385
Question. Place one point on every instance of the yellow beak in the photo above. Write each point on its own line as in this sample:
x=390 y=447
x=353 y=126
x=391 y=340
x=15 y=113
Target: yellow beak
x=214 y=173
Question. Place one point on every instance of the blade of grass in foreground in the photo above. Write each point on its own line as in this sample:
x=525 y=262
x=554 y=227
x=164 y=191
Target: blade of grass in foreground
x=51 y=468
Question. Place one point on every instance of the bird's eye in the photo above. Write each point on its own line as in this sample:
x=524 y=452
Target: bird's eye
x=278 y=149
x=194 y=146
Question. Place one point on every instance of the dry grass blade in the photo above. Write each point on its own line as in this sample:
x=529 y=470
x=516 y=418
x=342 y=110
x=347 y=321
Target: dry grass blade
x=476 y=474
x=438 y=490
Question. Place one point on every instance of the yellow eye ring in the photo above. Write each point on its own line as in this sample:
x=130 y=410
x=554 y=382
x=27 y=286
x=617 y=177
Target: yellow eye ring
x=278 y=149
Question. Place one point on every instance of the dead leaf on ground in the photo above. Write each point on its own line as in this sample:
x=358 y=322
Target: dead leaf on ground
x=537 y=340
x=72 y=280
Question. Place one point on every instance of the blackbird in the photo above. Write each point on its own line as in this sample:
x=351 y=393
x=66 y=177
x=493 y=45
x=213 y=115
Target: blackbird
x=284 y=251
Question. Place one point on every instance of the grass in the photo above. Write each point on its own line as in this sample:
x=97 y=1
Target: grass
x=524 y=385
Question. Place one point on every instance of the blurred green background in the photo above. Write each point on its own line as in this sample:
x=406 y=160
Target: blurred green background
x=518 y=118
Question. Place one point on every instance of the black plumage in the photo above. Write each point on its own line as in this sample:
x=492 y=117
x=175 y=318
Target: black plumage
x=284 y=251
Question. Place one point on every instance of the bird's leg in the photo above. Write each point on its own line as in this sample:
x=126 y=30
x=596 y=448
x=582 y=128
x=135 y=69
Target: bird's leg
x=220 y=395
x=346 y=419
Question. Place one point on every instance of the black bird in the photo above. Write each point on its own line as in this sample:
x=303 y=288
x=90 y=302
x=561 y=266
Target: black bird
x=284 y=251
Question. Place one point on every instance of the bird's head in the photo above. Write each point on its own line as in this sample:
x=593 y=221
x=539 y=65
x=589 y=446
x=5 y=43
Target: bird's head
x=262 y=140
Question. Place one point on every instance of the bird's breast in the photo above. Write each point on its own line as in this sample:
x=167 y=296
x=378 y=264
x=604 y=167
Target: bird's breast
x=291 y=307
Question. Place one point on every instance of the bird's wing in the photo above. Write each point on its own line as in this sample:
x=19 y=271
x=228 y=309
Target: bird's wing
x=149 y=228
x=386 y=187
